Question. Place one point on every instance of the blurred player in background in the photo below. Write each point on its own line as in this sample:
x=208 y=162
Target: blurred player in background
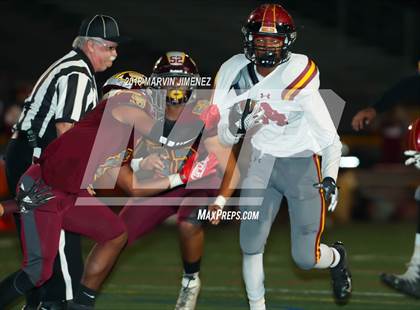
x=279 y=101
x=405 y=91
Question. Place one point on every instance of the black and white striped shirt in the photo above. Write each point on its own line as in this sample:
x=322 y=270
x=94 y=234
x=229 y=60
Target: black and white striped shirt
x=65 y=92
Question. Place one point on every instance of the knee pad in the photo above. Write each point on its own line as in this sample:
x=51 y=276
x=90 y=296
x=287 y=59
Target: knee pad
x=116 y=230
x=304 y=260
x=251 y=248
x=39 y=270
x=191 y=218
x=252 y=241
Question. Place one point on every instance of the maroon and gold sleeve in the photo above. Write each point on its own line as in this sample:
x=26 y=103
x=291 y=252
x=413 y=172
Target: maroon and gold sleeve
x=135 y=98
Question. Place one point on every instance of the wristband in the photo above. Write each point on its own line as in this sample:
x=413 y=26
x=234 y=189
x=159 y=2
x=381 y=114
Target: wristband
x=226 y=137
x=175 y=180
x=135 y=164
x=220 y=201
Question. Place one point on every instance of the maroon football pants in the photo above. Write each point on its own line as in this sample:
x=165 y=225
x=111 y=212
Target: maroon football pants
x=142 y=219
x=41 y=228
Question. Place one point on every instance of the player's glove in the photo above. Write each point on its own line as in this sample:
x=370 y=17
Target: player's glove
x=243 y=119
x=187 y=167
x=184 y=173
x=193 y=170
x=32 y=193
x=414 y=158
x=330 y=190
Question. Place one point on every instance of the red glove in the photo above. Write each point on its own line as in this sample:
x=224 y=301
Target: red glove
x=187 y=167
x=193 y=170
x=210 y=116
x=204 y=167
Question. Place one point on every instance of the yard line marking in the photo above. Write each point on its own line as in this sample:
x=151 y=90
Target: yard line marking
x=270 y=290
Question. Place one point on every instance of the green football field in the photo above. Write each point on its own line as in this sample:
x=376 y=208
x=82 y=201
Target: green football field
x=148 y=274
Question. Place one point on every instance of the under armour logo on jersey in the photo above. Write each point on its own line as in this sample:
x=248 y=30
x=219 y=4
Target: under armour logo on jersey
x=262 y=95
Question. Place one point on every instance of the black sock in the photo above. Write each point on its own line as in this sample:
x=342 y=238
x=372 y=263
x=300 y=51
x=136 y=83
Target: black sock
x=13 y=286
x=417 y=198
x=190 y=268
x=85 y=296
x=33 y=297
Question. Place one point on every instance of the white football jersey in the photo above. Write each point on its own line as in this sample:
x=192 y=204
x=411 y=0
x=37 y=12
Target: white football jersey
x=296 y=120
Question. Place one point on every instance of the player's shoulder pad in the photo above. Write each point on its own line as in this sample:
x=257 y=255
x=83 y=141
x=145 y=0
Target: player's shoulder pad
x=299 y=73
x=234 y=63
x=235 y=60
x=138 y=97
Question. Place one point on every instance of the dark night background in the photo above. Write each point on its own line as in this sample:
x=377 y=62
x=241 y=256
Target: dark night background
x=361 y=47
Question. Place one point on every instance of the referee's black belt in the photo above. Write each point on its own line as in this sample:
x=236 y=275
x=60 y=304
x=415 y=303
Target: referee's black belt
x=32 y=140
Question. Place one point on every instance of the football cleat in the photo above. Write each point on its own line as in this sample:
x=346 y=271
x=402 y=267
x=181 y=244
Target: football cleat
x=341 y=276
x=188 y=294
x=407 y=283
x=52 y=305
x=26 y=307
x=73 y=306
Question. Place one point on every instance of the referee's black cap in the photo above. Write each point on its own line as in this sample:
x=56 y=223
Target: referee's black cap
x=102 y=26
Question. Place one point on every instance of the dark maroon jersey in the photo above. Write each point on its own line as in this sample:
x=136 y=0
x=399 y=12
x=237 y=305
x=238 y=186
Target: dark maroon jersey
x=98 y=142
x=197 y=122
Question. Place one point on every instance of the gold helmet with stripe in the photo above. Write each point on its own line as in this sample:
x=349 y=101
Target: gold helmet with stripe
x=125 y=80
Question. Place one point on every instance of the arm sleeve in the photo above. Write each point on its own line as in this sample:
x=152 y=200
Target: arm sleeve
x=331 y=156
x=72 y=92
x=322 y=128
x=407 y=89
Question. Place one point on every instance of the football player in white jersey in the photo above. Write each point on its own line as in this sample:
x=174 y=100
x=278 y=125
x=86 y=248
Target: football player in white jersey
x=276 y=92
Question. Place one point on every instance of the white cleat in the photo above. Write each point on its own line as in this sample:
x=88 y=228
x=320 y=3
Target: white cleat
x=257 y=304
x=407 y=283
x=188 y=294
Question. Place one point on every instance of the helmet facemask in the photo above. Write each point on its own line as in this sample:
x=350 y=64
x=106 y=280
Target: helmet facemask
x=177 y=92
x=267 y=56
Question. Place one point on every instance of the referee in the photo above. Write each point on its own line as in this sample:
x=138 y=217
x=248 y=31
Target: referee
x=63 y=94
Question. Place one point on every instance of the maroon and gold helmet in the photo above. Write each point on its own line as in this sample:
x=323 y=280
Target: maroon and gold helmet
x=124 y=80
x=413 y=142
x=179 y=66
x=269 y=20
